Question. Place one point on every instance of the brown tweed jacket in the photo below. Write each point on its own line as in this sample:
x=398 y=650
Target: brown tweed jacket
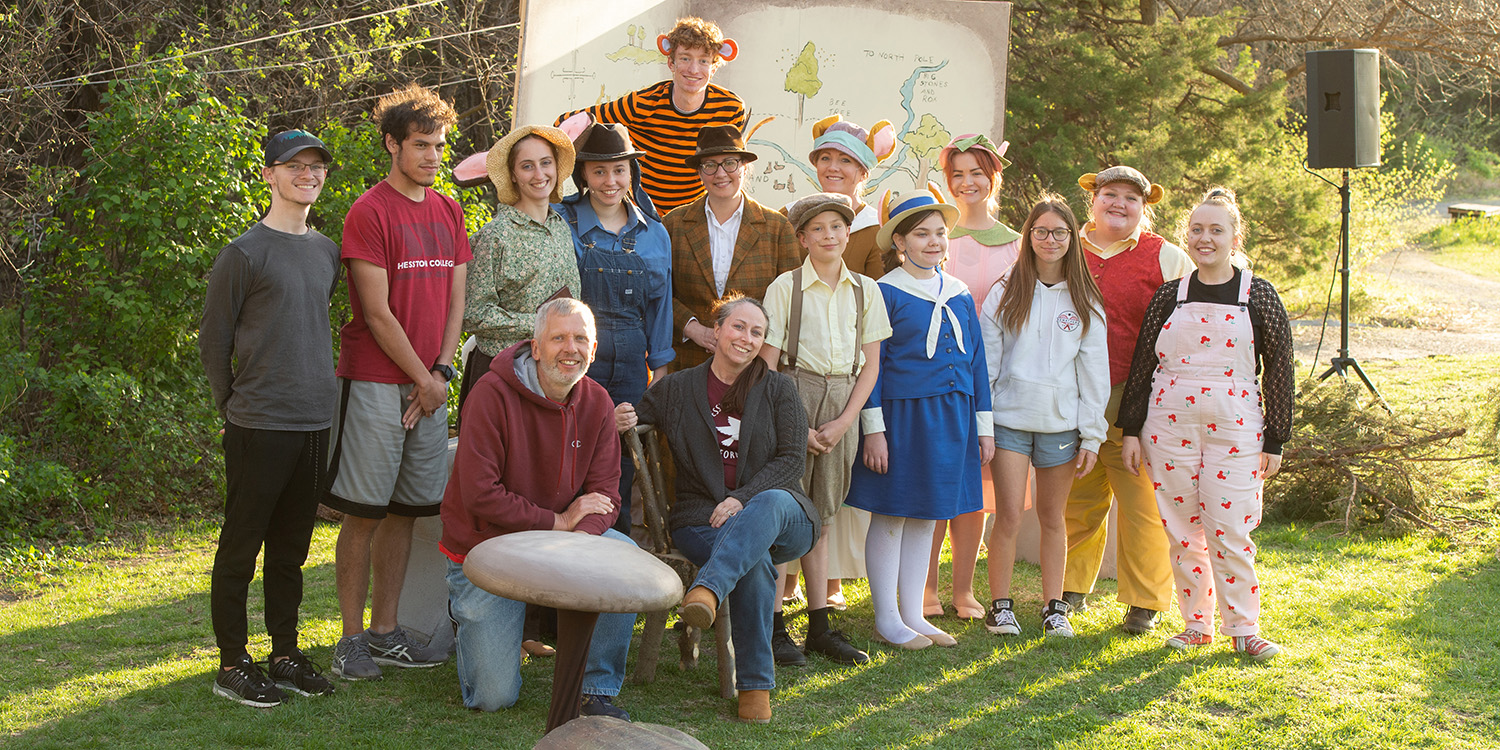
x=766 y=248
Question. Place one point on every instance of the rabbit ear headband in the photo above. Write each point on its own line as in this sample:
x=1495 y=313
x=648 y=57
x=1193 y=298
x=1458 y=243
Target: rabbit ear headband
x=727 y=51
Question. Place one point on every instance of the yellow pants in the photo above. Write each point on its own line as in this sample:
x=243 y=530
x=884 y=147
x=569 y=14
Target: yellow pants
x=1141 y=552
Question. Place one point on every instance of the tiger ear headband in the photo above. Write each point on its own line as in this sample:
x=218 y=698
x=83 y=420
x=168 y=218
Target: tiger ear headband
x=727 y=51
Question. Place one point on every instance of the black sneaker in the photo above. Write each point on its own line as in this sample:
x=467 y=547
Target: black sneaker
x=834 y=646
x=1140 y=620
x=1055 y=619
x=351 y=659
x=1078 y=601
x=1001 y=618
x=601 y=705
x=297 y=674
x=786 y=651
x=245 y=684
x=398 y=649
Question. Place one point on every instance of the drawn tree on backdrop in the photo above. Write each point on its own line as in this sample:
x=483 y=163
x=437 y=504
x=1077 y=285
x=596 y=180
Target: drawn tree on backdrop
x=802 y=77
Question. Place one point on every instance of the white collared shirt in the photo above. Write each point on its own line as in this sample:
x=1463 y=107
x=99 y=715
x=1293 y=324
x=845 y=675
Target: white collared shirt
x=721 y=239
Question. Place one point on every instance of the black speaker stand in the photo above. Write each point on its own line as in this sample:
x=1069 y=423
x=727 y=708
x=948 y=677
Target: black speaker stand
x=1343 y=362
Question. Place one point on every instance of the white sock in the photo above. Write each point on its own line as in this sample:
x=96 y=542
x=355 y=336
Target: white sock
x=883 y=565
x=916 y=549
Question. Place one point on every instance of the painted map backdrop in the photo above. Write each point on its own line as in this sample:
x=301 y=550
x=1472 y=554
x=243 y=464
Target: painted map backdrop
x=933 y=68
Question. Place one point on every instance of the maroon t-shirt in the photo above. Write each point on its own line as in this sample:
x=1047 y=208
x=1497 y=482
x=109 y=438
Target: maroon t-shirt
x=726 y=427
x=417 y=244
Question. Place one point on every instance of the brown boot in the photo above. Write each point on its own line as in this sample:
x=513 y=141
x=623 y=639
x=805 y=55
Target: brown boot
x=699 y=607
x=755 y=706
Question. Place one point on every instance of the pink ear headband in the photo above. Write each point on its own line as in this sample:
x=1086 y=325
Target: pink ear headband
x=727 y=51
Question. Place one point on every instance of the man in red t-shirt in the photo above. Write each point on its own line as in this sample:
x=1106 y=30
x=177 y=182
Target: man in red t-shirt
x=406 y=250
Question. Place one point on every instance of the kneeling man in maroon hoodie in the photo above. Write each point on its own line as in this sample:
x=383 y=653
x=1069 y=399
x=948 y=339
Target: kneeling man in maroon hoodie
x=540 y=450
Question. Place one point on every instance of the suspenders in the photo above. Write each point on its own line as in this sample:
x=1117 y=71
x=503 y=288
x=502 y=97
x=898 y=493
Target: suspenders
x=794 y=324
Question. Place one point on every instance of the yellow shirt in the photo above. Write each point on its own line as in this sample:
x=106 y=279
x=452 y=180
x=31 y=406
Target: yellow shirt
x=826 y=343
x=1175 y=263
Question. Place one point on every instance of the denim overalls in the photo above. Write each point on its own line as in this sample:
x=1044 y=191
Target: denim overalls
x=626 y=281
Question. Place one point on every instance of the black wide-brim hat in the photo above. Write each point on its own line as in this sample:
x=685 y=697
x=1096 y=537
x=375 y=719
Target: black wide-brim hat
x=605 y=142
x=720 y=139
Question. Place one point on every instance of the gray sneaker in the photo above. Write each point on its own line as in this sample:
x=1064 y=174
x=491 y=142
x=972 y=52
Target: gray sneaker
x=351 y=659
x=398 y=649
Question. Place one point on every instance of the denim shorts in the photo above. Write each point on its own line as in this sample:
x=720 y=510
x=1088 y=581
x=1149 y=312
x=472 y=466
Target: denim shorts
x=1046 y=449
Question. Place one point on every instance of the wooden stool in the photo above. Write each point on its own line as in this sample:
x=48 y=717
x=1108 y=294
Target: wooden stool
x=580 y=575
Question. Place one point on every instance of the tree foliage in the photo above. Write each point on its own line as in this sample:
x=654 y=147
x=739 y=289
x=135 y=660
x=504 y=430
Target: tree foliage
x=1141 y=98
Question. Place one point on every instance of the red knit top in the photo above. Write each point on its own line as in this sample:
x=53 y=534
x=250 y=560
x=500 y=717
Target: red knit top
x=1127 y=280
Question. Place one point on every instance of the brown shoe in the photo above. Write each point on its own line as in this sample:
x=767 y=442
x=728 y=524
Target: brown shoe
x=537 y=649
x=755 y=706
x=699 y=607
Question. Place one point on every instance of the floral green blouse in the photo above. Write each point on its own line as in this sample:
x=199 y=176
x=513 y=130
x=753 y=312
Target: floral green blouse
x=518 y=264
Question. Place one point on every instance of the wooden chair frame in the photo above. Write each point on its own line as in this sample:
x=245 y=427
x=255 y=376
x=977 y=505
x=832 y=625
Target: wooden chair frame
x=646 y=451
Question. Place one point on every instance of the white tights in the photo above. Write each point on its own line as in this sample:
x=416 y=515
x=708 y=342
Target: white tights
x=896 y=552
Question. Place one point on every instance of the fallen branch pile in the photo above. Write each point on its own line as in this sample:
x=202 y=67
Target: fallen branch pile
x=1363 y=467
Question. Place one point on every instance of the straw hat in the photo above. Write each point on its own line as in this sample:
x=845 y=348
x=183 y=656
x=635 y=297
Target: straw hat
x=895 y=208
x=497 y=163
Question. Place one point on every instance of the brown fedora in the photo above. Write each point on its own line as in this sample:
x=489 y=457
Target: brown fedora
x=720 y=139
x=605 y=142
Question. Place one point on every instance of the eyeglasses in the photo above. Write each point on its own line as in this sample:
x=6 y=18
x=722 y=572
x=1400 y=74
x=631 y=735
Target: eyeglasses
x=730 y=166
x=1057 y=235
x=297 y=167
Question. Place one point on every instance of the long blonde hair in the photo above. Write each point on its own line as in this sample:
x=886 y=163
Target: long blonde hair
x=1015 y=300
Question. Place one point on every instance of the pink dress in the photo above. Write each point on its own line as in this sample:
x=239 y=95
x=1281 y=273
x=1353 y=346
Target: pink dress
x=978 y=259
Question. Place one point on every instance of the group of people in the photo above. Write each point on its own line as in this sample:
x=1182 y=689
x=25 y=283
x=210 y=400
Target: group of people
x=832 y=380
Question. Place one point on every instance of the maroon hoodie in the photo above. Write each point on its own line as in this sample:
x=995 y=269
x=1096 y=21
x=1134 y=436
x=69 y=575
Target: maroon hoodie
x=523 y=457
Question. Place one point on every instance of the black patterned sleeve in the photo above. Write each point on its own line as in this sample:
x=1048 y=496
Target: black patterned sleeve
x=1137 y=395
x=1278 y=377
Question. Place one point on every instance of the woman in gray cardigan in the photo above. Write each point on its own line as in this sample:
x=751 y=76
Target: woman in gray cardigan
x=738 y=435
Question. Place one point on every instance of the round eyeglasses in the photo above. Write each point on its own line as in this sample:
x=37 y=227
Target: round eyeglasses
x=730 y=166
x=1057 y=235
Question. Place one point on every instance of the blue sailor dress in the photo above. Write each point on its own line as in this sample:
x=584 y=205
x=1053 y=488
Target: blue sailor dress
x=932 y=400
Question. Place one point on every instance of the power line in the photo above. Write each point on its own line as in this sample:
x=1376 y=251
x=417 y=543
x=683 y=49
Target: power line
x=367 y=98
x=278 y=66
x=408 y=43
x=221 y=48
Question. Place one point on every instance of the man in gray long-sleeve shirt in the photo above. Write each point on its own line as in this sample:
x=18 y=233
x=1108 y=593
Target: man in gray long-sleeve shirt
x=267 y=349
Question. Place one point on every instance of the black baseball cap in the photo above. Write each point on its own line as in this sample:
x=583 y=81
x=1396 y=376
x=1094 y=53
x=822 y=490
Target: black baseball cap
x=289 y=143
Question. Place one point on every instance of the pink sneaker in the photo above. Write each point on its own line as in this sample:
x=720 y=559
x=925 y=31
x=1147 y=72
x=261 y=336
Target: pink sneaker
x=1189 y=639
x=1257 y=647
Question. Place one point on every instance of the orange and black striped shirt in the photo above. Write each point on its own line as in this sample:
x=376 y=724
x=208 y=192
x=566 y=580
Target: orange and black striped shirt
x=668 y=136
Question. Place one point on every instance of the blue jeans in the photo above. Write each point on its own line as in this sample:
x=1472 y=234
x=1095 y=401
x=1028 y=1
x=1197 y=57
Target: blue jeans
x=489 y=644
x=738 y=560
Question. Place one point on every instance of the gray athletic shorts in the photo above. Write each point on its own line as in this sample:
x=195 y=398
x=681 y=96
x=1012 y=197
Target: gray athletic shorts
x=1046 y=449
x=378 y=466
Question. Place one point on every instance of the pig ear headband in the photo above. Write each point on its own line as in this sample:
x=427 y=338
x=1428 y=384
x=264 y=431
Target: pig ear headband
x=727 y=51
x=575 y=125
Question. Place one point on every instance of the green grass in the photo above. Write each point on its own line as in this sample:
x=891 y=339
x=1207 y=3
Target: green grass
x=1390 y=644
x=1471 y=245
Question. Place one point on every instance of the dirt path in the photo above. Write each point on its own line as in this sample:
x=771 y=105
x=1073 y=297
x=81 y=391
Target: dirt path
x=1457 y=313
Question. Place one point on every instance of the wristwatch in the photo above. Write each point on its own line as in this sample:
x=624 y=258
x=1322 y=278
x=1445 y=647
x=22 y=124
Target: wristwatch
x=449 y=374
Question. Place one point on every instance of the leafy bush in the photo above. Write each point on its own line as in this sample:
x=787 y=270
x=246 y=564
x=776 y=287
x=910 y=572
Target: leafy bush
x=90 y=445
x=168 y=182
